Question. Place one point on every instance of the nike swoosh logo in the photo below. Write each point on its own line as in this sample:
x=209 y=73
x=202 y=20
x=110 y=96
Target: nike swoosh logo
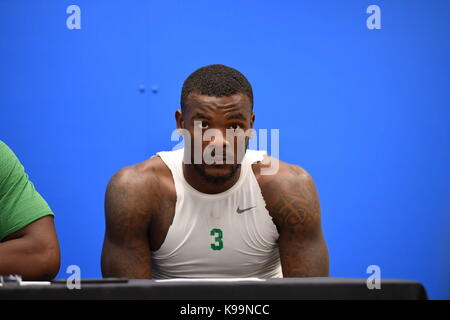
x=243 y=210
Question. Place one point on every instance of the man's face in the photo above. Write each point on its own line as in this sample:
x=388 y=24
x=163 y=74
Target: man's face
x=218 y=125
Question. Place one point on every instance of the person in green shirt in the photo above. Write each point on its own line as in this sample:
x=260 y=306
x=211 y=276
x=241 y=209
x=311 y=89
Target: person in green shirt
x=28 y=241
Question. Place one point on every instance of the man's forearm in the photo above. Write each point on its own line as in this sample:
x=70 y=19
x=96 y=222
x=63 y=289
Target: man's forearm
x=30 y=260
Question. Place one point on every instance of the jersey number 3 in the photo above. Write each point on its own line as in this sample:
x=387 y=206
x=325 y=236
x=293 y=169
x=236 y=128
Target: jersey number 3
x=218 y=244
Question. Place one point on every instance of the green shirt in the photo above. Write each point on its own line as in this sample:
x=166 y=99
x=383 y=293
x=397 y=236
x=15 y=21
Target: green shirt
x=20 y=203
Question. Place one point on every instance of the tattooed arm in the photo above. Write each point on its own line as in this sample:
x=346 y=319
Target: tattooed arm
x=126 y=251
x=292 y=200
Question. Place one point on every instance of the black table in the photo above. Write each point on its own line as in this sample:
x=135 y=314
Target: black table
x=269 y=289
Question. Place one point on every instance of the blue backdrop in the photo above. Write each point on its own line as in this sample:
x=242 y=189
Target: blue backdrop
x=365 y=111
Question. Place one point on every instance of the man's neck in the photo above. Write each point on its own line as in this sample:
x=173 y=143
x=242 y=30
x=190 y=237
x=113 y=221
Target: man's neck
x=198 y=182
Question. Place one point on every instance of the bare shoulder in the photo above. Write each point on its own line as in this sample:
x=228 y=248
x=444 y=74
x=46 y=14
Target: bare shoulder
x=132 y=200
x=136 y=189
x=274 y=171
x=289 y=192
x=140 y=175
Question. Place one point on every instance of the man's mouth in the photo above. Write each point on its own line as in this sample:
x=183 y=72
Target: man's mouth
x=228 y=160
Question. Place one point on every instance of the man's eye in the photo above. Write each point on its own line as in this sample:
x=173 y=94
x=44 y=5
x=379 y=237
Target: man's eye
x=236 y=126
x=202 y=124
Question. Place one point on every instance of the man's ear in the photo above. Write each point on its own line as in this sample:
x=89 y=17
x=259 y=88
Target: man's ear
x=252 y=120
x=179 y=118
x=179 y=121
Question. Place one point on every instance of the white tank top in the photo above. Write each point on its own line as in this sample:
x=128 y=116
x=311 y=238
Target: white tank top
x=228 y=234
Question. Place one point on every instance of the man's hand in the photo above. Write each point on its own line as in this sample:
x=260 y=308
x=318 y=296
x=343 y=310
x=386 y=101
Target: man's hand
x=32 y=252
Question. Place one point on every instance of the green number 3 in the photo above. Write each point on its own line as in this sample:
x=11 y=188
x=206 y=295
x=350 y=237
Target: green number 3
x=218 y=244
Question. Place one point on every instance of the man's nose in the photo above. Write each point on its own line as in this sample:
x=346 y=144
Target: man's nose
x=220 y=139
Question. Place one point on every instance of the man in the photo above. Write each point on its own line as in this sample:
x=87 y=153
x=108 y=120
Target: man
x=172 y=217
x=28 y=242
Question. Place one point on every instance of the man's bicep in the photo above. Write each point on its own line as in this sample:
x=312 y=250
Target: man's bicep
x=303 y=251
x=126 y=251
x=303 y=256
x=123 y=260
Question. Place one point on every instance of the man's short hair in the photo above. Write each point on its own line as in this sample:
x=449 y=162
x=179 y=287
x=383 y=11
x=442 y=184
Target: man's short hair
x=216 y=80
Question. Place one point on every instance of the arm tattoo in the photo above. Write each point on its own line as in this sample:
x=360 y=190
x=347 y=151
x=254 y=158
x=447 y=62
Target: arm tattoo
x=293 y=202
x=126 y=249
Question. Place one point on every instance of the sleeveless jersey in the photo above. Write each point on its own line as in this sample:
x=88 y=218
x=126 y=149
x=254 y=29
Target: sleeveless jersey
x=228 y=234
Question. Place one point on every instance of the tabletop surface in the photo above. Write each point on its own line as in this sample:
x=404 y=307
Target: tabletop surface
x=218 y=289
